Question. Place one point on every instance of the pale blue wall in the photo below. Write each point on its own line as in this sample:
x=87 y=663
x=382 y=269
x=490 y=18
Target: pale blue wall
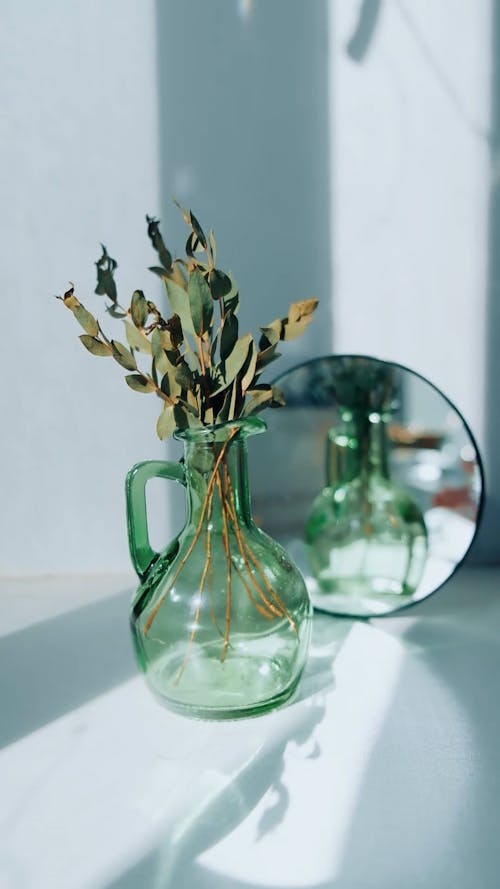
x=244 y=140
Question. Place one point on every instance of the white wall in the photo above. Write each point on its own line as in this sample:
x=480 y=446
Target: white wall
x=78 y=162
x=410 y=179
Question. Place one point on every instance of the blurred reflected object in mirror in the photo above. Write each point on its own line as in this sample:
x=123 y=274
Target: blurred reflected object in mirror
x=365 y=535
x=394 y=511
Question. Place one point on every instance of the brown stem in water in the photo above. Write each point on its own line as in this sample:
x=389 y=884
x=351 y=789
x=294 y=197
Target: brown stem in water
x=279 y=603
x=227 y=550
x=206 y=502
x=243 y=548
x=200 y=593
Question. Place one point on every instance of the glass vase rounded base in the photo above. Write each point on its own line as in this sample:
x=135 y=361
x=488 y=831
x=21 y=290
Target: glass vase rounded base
x=245 y=685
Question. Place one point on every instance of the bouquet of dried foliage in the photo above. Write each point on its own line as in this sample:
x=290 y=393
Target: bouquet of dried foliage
x=203 y=371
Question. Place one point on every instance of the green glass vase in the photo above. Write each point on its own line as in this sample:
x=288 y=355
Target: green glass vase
x=365 y=536
x=221 y=619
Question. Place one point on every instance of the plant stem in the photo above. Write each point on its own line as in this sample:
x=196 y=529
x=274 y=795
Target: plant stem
x=253 y=559
x=200 y=594
x=210 y=487
x=242 y=548
x=225 y=541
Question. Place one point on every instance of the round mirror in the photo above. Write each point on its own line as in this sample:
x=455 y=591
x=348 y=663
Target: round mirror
x=372 y=480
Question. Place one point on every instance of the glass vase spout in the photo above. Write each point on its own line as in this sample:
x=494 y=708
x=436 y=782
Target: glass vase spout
x=221 y=619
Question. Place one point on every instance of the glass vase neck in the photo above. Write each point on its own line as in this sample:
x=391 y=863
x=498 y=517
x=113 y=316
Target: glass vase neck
x=357 y=447
x=216 y=468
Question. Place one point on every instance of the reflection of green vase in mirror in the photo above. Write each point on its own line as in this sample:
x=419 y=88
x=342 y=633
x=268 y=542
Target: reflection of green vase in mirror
x=366 y=538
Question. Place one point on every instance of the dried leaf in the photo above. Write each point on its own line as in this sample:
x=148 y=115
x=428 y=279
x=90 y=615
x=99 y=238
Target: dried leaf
x=179 y=303
x=302 y=309
x=249 y=368
x=235 y=361
x=137 y=339
x=266 y=356
x=271 y=334
x=227 y=410
x=139 y=383
x=174 y=328
x=259 y=399
x=139 y=308
x=86 y=320
x=160 y=341
x=278 y=399
x=184 y=376
x=293 y=329
x=169 y=384
x=165 y=426
x=122 y=355
x=95 y=346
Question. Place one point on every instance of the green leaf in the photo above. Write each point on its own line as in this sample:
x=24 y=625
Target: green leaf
x=213 y=347
x=213 y=246
x=249 y=368
x=159 y=270
x=227 y=410
x=229 y=335
x=139 y=383
x=179 y=303
x=200 y=303
x=220 y=284
x=158 y=242
x=154 y=372
x=86 y=320
x=122 y=355
x=236 y=360
x=95 y=346
x=181 y=417
x=231 y=304
x=139 y=308
x=165 y=426
x=200 y=234
x=137 y=339
x=184 y=376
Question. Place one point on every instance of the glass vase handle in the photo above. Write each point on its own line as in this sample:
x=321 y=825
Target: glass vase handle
x=141 y=552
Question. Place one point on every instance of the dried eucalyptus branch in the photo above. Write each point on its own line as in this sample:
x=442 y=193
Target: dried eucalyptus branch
x=205 y=373
x=199 y=366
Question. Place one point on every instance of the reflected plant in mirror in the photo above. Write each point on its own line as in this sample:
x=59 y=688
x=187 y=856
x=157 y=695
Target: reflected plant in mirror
x=365 y=535
x=395 y=509
x=221 y=618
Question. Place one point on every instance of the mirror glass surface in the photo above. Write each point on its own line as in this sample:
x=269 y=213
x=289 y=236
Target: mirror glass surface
x=372 y=480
